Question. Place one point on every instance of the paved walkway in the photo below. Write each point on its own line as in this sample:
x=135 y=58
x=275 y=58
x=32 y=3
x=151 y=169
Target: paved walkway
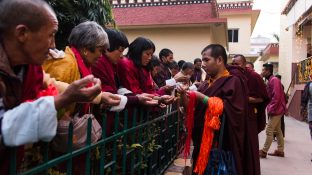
x=180 y=166
x=297 y=160
x=298 y=149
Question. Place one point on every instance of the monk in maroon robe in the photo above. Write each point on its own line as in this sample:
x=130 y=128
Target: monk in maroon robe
x=166 y=58
x=257 y=98
x=232 y=90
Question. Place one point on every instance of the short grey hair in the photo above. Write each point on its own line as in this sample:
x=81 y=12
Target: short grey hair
x=88 y=35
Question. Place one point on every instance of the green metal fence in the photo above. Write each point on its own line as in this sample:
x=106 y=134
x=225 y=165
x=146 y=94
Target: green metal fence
x=145 y=144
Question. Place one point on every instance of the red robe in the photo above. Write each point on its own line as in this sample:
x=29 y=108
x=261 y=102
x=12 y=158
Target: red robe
x=106 y=71
x=138 y=80
x=233 y=91
x=33 y=82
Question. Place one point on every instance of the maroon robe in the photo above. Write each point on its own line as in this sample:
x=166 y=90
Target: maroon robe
x=106 y=71
x=33 y=82
x=197 y=75
x=257 y=89
x=256 y=116
x=136 y=79
x=255 y=121
x=163 y=75
x=232 y=91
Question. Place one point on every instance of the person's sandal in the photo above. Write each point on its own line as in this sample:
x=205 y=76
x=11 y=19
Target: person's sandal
x=277 y=153
x=262 y=154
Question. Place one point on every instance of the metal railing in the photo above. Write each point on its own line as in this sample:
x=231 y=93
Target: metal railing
x=145 y=144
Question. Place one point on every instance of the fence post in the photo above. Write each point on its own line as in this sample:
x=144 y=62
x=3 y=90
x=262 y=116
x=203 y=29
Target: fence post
x=12 y=160
x=70 y=149
x=46 y=155
x=132 y=141
x=88 y=154
x=124 y=147
x=116 y=122
x=102 y=150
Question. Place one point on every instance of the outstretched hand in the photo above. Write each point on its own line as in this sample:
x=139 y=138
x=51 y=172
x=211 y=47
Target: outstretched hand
x=147 y=99
x=79 y=92
x=110 y=99
x=167 y=99
x=182 y=79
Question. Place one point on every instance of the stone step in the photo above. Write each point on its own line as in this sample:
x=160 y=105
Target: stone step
x=180 y=166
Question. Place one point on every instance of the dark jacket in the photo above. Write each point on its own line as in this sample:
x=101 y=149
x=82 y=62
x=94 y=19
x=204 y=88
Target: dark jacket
x=10 y=93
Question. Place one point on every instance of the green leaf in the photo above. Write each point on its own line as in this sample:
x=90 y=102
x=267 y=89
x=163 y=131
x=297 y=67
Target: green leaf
x=72 y=12
x=136 y=145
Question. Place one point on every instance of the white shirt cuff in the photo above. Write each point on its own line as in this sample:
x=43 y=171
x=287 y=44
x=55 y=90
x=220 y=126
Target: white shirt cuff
x=30 y=122
x=193 y=88
x=122 y=104
x=123 y=91
x=171 y=82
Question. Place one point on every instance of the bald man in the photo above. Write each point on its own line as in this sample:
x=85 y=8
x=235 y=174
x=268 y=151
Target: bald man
x=256 y=116
x=25 y=41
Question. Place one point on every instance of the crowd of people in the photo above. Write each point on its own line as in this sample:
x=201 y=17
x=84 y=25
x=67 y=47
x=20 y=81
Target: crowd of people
x=41 y=87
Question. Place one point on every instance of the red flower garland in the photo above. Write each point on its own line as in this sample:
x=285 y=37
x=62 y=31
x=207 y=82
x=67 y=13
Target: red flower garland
x=189 y=123
x=49 y=91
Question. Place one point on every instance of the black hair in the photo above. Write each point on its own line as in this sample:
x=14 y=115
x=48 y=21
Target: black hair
x=242 y=56
x=164 y=53
x=154 y=62
x=174 y=65
x=269 y=67
x=217 y=50
x=180 y=63
x=187 y=65
x=116 y=39
x=278 y=76
x=137 y=47
x=196 y=60
x=252 y=65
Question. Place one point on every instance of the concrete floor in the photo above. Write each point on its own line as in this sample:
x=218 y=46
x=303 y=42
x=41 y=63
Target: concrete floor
x=298 y=149
x=297 y=160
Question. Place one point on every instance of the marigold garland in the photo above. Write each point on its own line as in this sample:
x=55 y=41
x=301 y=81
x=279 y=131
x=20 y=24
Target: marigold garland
x=212 y=123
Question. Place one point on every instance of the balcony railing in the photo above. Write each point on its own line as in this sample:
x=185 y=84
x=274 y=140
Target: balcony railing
x=146 y=3
x=145 y=144
x=235 y=5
